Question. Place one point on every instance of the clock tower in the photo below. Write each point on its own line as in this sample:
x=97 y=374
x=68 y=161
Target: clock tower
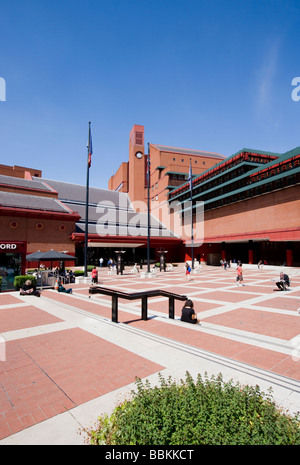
x=137 y=165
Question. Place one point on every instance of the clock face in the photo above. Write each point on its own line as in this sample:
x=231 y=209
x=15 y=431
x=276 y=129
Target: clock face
x=139 y=154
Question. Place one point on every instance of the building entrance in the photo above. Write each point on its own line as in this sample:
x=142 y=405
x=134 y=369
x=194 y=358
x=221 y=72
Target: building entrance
x=12 y=263
x=10 y=266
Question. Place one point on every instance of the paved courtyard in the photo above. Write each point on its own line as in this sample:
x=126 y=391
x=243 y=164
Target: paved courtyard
x=63 y=362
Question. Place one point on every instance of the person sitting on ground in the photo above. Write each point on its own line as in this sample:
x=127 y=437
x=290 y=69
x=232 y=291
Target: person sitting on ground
x=188 y=313
x=71 y=277
x=284 y=282
x=29 y=289
x=61 y=288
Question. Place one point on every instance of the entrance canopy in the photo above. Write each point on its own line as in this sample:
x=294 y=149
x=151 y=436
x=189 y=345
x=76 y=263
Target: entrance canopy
x=114 y=244
x=51 y=255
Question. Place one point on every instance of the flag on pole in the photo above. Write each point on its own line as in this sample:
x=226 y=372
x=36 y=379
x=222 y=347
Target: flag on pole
x=191 y=179
x=90 y=147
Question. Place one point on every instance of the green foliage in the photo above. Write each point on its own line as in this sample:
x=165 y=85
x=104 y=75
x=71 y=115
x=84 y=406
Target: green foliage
x=208 y=411
x=0 y=281
x=79 y=273
x=20 y=280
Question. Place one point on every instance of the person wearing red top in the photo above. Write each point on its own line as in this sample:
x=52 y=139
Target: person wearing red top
x=94 y=275
x=239 y=278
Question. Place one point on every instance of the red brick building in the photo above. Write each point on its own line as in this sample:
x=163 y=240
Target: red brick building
x=251 y=208
x=250 y=200
x=250 y=204
x=32 y=219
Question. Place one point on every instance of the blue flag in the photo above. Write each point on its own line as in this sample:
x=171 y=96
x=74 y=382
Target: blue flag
x=90 y=147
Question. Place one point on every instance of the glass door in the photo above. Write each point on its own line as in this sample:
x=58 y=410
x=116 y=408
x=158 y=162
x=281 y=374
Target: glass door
x=10 y=266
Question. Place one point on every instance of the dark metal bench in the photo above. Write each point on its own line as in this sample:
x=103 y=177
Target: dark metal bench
x=115 y=295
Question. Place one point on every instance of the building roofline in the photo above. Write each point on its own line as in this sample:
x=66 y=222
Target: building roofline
x=183 y=151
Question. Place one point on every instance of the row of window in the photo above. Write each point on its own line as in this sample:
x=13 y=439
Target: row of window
x=229 y=164
x=195 y=161
x=294 y=163
x=253 y=190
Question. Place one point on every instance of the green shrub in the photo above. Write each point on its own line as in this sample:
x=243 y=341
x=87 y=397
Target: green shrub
x=79 y=273
x=208 y=411
x=0 y=282
x=20 y=280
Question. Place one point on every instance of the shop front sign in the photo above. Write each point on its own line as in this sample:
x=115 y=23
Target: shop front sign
x=12 y=247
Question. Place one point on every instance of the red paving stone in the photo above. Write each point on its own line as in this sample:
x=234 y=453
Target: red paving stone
x=203 y=285
x=284 y=302
x=183 y=290
x=163 y=306
x=43 y=375
x=255 y=289
x=86 y=305
x=15 y=318
x=246 y=353
x=259 y=322
x=8 y=299
x=137 y=286
x=223 y=296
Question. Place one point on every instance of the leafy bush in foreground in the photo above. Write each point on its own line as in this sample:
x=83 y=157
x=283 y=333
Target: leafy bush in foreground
x=208 y=411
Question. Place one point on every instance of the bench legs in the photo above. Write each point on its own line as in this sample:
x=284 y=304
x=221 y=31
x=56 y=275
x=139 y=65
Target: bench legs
x=171 y=307
x=114 y=314
x=114 y=305
x=144 y=308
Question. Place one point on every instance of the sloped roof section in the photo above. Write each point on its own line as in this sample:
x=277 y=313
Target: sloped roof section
x=200 y=153
x=109 y=212
x=24 y=183
x=76 y=193
x=31 y=202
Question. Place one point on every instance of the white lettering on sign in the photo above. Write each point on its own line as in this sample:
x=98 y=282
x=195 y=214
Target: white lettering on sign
x=8 y=246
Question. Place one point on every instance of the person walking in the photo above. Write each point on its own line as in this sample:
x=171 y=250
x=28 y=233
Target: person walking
x=187 y=271
x=239 y=277
x=94 y=275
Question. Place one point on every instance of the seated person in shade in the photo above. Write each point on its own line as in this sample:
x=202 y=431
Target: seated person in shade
x=29 y=289
x=188 y=313
x=71 y=277
x=61 y=288
x=284 y=282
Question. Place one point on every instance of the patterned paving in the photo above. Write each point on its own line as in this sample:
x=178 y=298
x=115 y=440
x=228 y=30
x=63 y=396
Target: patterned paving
x=54 y=362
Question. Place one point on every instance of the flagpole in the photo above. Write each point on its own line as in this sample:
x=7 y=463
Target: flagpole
x=87 y=201
x=148 y=209
x=192 y=229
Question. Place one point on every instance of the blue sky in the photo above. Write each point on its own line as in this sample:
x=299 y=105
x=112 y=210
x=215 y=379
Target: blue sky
x=210 y=75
